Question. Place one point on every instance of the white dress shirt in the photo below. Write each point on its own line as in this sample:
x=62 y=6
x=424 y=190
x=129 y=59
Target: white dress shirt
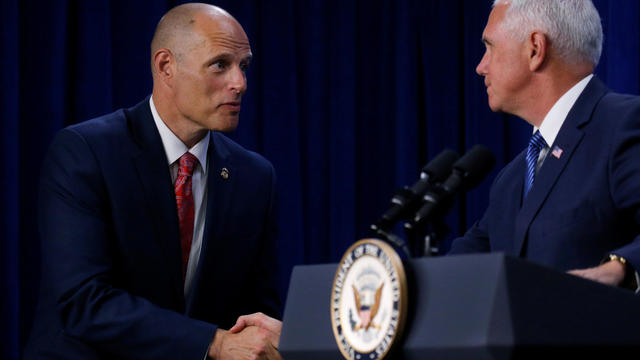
x=554 y=119
x=174 y=149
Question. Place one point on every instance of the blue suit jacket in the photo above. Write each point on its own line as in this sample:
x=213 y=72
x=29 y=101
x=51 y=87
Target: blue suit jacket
x=583 y=204
x=112 y=284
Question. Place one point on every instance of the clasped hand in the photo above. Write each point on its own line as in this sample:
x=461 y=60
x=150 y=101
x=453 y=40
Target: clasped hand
x=254 y=336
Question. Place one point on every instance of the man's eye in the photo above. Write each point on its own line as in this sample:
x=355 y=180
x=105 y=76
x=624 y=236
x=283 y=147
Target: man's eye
x=244 y=67
x=219 y=65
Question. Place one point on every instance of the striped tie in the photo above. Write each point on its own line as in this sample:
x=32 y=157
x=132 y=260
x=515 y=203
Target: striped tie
x=536 y=144
x=185 y=205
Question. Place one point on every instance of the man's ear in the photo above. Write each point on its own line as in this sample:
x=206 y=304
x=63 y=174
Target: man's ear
x=164 y=64
x=537 y=50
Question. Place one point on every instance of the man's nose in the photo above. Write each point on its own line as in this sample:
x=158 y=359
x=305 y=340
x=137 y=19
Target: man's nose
x=482 y=66
x=238 y=81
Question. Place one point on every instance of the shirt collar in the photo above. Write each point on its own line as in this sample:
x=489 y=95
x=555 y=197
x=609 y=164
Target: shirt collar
x=173 y=146
x=554 y=119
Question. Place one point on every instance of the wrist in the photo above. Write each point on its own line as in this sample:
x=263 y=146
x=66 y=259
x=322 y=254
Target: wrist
x=629 y=277
x=617 y=269
x=620 y=259
x=215 y=348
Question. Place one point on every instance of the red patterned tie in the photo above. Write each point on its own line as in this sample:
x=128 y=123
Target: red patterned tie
x=186 y=208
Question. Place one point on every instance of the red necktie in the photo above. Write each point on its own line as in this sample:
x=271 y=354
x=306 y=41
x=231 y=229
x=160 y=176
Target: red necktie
x=186 y=208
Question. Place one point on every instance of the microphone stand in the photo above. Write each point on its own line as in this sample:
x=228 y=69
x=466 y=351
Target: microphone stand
x=391 y=238
x=427 y=234
x=423 y=240
x=432 y=239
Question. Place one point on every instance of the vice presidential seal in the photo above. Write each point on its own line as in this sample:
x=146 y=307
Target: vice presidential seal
x=368 y=300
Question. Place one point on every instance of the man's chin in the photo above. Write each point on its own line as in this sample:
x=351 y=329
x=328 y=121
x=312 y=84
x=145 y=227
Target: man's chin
x=227 y=125
x=494 y=107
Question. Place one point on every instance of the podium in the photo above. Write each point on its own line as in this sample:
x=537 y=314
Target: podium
x=486 y=306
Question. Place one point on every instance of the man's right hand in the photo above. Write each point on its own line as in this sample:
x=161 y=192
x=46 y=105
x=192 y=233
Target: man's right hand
x=260 y=320
x=252 y=342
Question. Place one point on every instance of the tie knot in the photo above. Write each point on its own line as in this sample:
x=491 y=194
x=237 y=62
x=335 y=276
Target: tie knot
x=537 y=141
x=187 y=162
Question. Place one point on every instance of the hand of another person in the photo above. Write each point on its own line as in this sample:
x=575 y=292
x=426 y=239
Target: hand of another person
x=252 y=342
x=260 y=320
x=610 y=273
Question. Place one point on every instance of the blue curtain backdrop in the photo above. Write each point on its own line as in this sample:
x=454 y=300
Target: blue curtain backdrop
x=347 y=98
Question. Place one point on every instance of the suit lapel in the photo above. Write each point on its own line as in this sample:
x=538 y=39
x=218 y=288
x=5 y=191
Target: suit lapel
x=568 y=139
x=220 y=192
x=155 y=180
x=546 y=177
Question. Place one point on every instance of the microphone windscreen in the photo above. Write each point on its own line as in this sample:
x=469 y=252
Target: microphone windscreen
x=475 y=165
x=440 y=166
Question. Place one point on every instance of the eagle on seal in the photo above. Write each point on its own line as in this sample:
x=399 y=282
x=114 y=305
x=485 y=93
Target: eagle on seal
x=367 y=312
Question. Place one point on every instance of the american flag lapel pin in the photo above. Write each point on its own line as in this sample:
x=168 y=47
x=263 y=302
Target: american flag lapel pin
x=557 y=152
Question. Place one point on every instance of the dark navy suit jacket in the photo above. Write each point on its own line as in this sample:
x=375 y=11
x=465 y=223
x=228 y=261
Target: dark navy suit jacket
x=584 y=204
x=112 y=284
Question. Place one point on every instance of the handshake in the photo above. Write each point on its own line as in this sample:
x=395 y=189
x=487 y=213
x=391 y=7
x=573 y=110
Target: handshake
x=254 y=336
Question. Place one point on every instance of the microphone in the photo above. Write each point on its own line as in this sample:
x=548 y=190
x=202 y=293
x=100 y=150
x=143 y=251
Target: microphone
x=467 y=173
x=405 y=199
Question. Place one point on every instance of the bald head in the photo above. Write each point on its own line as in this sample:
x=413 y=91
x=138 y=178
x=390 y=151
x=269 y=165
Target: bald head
x=177 y=30
x=199 y=58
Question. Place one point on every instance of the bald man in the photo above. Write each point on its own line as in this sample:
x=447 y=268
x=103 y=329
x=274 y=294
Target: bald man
x=157 y=230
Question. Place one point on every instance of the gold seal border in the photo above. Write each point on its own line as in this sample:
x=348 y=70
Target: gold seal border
x=396 y=263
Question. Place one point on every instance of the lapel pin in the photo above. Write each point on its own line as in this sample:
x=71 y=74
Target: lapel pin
x=224 y=173
x=557 y=152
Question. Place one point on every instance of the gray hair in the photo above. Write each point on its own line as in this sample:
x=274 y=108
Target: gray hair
x=573 y=26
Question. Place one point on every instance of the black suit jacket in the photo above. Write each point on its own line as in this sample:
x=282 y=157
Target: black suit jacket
x=585 y=201
x=112 y=284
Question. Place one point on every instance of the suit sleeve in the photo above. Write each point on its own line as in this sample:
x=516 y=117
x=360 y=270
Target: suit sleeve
x=476 y=239
x=625 y=179
x=78 y=252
